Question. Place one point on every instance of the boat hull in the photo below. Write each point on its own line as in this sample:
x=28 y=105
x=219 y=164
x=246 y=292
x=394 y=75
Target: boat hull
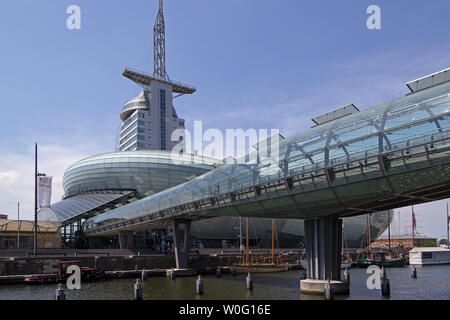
x=394 y=263
x=261 y=269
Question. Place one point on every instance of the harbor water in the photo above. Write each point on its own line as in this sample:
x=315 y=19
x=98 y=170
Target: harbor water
x=432 y=283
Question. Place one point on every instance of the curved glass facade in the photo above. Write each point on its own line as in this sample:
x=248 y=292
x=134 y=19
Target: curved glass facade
x=323 y=158
x=289 y=232
x=142 y=171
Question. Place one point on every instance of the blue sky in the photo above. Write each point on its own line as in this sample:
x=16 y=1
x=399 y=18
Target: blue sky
x=256 y=64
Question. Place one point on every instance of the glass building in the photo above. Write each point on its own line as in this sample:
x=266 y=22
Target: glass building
x=346 y=166
x=149 y=120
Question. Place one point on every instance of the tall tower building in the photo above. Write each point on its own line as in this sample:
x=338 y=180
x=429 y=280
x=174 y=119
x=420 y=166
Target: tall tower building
x=149 y=120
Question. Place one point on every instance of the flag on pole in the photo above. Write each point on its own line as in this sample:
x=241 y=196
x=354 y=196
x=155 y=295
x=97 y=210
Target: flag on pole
x=45 y=191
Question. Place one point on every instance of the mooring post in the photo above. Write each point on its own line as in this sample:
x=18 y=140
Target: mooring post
x=385 y=286
x=414 y=272
x=137 y=290
x=199 y=288
x=329 y=290
x=172 y=274
x=346 y=275
x=144 y=275
x=249 y=282
x=219 y=272
x=60 y=295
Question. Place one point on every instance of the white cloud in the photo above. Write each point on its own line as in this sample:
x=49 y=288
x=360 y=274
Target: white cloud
x=9 y=177
x=17 y=172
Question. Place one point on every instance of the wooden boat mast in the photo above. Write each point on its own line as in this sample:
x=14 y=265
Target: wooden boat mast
x=246 y=241
x=342 y=249
x=273 y=241
x=413 y=224
x=389 y=233
x=448 y=223
x=367 y=237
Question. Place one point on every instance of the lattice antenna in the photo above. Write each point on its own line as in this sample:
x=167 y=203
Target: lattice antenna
x=159 y=45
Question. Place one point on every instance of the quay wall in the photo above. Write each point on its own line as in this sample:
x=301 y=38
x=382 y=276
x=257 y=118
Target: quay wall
x=49 y=265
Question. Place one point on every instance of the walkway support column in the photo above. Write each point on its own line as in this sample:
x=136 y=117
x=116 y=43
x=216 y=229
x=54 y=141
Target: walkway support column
x=125 y=240
x=182 y=242
x=323 y=253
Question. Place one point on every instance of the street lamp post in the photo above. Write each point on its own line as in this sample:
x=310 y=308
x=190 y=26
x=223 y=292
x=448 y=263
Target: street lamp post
x=35 y=198
x=36 y=176
x=18 y=225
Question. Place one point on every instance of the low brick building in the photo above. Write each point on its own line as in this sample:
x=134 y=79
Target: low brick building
x=404 y=241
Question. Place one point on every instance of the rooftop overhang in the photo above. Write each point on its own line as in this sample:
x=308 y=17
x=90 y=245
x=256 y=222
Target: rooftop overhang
x=335 y=114
x=429 y=81
x=89 y=204
x=144 y=79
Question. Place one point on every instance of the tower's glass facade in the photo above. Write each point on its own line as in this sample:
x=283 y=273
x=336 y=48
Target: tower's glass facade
x=148 y=122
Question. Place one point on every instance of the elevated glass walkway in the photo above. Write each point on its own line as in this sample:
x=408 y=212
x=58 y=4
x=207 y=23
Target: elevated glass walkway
x=391 y=155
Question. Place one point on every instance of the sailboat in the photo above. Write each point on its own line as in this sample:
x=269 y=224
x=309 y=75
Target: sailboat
x=365 y=261
x=346 y=261
x=389 y=261
x=261 y=264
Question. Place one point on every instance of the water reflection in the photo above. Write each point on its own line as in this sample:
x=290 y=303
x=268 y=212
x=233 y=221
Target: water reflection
x=431 y=283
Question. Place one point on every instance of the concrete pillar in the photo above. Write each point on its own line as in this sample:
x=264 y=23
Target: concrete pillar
x=323 y=254
x=125 y=240
x=181 y=242
x=323 y=248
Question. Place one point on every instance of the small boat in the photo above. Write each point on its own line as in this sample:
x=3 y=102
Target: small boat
x=87 y=274
x=346 y=264
x=41 y=279
x=392 y=262
x=362 y=263
x=387 y=263
x=260 y=264
x=261 y=268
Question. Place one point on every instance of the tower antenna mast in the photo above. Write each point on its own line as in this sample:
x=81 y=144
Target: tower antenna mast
x=159 y=45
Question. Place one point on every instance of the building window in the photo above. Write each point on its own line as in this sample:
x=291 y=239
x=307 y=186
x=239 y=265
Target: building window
x=427 y=255
x=162 y=105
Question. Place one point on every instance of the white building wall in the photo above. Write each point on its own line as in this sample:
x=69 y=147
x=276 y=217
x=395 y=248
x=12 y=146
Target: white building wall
x=150 y=136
